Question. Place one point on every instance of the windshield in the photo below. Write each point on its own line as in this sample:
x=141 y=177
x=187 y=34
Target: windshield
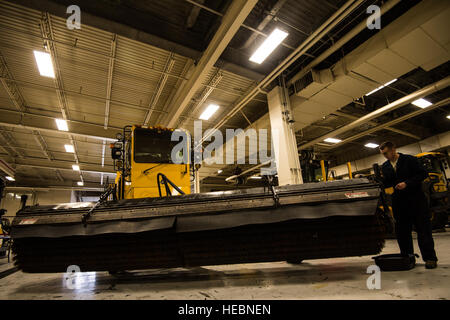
x=431 y=164
x=151 y=146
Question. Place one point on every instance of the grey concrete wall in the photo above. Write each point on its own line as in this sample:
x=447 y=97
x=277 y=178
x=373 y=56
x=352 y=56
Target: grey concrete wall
x=11 y=203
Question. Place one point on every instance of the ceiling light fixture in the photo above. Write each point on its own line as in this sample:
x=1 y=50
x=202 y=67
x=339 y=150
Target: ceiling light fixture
x=381 y=87
x=80 y=183
x=76 y=167
x=220 y=171
x=69 y=148
x=255 y=177
x=10 y=178
x=421 y=103
x=44 y=63
x=371 y=145
x=265 y=49
x=332 y=140
x=62 y=125
x=210 y=110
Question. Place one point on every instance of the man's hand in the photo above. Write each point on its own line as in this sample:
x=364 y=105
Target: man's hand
x=400 y=186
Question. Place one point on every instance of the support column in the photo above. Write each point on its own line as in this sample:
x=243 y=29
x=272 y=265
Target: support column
x=284 y=143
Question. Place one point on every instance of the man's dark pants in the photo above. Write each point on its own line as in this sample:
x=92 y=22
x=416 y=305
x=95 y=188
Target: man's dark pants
x=412 y=210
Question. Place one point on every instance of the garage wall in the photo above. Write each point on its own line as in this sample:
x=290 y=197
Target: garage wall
x=11 y=203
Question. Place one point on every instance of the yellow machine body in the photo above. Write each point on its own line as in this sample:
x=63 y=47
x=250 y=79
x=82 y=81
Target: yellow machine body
x=141 y=180
x=432 y=162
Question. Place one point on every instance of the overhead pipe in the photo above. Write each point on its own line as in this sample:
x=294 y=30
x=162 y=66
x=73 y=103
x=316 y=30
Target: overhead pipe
x=331 y=22
x=439 y=85
x=402 y=132
x=392 y=122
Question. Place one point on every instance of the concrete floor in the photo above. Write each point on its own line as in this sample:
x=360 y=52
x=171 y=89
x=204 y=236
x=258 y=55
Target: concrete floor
x=342 y=278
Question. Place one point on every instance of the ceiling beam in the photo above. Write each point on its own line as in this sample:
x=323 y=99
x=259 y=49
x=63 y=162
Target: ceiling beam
x=427 y=90
x=30 y=121
x=7 y=143
x=392 y=122
x=7 y=168
x=47 y=31
x=61 y=165
x=41 y=142
x=213 y=83
x=405 y=133
x=110 y=78
x=162 y=82
x=181 y=82
x=50 y=188
x=319 y=33
x=19 y=102
x=256 y=31
x=234 y=17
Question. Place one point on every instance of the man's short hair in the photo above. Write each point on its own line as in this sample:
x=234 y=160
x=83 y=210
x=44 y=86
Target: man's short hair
x=387 y=144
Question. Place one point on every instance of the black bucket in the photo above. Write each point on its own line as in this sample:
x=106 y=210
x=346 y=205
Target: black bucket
x=395 y=262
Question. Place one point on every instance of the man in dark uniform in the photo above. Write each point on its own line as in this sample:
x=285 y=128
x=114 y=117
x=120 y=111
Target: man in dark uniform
x=405 y=174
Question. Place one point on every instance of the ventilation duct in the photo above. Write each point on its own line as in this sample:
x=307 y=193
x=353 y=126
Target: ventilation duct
x=312 y=82
x=414 y=40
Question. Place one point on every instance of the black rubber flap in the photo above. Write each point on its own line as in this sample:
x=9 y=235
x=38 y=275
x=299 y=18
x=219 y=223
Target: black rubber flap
x=201 y=222
x=57 y=231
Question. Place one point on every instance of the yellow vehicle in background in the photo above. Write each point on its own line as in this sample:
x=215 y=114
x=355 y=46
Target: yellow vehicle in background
x=144 y=165
x=436 y=188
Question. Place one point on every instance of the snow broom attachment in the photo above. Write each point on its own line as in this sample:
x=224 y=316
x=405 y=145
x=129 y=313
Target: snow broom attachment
x=308 y=221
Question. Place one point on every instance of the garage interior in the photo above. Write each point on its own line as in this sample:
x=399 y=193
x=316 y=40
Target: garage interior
x=334 y=89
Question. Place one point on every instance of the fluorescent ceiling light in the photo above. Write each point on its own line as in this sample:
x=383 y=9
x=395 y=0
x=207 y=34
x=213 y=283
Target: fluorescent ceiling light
x=272 y=41
x=44 y=63
x=76 y=167
x=371 y=145
x=332 y=140
x=220 y=171
x=69 y=148
x=80 y=183
x=255 y=177
x=421 y=103
x=62 y=125
x=381 y=87
x=10 y=178
x=210 y=110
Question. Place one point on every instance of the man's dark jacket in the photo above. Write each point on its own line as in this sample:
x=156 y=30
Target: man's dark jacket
x=410 y=171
